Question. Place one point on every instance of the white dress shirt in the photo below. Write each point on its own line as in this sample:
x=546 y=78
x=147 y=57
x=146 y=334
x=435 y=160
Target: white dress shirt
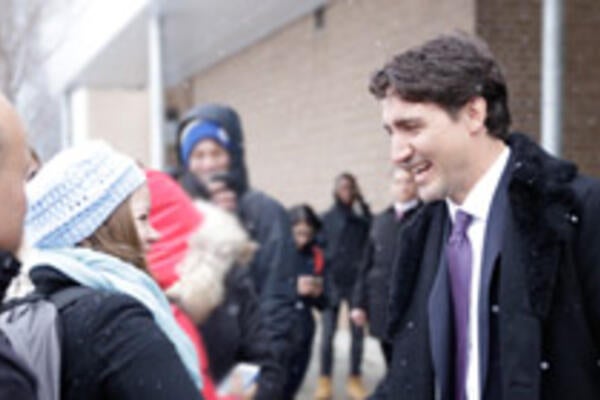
x=478 y=203
x=402 y=208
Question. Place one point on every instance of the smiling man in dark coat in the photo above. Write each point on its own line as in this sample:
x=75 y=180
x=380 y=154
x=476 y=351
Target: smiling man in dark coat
x=499 y=292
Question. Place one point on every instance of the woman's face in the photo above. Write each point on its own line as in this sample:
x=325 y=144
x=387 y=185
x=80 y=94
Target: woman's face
x=303 y=234
x=346 y=191
x=140 y=209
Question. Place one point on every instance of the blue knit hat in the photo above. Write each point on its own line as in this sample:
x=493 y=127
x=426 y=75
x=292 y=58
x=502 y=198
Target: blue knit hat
x=76 y=192
x=197 y=131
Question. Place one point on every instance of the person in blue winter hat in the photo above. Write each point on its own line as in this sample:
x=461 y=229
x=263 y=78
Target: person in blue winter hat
x=87 y=222
x=213 y=167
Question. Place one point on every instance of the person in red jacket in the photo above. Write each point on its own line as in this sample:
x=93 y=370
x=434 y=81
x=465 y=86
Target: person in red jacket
x=189 y=261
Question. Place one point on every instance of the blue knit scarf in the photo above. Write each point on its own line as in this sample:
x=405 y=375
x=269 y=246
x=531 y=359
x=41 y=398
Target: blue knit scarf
x=101 y=271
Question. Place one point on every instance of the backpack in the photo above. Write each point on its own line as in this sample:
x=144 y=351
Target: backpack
x=32 y=326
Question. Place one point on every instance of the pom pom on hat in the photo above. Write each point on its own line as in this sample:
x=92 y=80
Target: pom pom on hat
x=76 y=192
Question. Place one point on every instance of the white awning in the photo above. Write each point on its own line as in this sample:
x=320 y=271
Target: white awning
x=107 y=41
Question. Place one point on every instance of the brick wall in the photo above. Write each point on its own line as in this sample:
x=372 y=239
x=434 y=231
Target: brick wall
x=302 y=94
x=582 y=84
x=513 y=30
x=306 y=111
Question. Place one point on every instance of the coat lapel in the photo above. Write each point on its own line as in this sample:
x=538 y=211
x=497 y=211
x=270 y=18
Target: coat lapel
x=440 y=317
x=491 y=252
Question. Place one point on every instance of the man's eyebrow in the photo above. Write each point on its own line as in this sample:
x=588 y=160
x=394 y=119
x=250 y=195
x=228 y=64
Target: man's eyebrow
x=404 y=123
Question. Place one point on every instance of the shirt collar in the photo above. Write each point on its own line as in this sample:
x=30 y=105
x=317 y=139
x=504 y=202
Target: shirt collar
x=479 y=200
x=401 y=208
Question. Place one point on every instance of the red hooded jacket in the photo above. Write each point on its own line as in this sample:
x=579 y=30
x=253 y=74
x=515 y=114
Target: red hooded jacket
x=175 y=217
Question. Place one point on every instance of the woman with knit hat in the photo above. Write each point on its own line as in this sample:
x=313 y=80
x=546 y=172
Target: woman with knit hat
x=119 y=338
x=200 y=260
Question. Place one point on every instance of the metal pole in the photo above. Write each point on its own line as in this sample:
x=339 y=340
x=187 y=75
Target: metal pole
x=65 y=119
x=156 y=87
x=552 y=68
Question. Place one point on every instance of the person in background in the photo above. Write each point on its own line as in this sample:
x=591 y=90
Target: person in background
x=345 y=231
x=370 y=298
x=16 y=380
x=212 y=157
x=380 y=261
x=200 y=249
x=175 y=218
x=310 y=283
x=87 y=223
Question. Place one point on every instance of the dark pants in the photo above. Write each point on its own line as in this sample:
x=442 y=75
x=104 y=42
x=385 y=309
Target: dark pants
x=330 y=318
x=302 y=339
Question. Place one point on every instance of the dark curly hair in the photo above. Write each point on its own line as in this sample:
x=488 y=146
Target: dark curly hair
x=449 y=71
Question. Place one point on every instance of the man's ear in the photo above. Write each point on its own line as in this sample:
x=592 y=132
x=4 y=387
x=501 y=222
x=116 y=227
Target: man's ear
x=476 y=114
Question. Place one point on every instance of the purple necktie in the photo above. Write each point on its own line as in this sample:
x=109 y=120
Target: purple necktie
x=460 y=258
x=399 y=215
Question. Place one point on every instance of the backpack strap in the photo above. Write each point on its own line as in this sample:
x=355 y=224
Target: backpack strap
x=64 y=297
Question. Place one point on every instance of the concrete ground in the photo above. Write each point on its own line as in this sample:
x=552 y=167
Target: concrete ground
x=373 y=366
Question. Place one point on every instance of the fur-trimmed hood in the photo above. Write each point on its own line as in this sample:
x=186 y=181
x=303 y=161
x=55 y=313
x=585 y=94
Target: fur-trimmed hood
x=198 y=245
x=218 y=245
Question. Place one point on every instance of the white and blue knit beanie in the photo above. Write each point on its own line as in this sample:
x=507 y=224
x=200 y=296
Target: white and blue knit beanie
x=76 y=192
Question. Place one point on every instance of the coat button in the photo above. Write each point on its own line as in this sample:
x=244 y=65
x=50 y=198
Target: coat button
x=495 y=308
x=410 y=325
x=544 y=365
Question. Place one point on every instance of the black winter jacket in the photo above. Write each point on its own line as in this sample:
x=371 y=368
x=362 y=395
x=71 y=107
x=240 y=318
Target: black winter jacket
x=113 y=349
x=307 y=267
x=544 y=314
x=235 y=333
x=345 y=232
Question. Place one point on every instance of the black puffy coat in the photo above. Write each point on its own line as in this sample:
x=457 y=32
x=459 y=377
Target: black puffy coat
x=113 y=349
x=235 y=333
